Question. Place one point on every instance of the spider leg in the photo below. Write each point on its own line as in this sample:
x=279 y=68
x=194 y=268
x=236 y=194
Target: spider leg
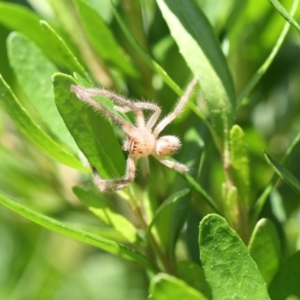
x=86 y=96
x=123 y=104
x=181 y=168
x=178 y=109
x=108 y=185
x=150 y=106
x=144 y=106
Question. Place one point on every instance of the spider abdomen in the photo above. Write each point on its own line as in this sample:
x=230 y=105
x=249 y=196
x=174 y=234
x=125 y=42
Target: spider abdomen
x=167 y=145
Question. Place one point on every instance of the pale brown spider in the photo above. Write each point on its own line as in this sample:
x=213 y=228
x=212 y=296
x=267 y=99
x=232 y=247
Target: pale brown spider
x=142 y=140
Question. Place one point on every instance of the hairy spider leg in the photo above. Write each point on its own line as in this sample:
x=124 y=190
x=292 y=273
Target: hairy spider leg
x=106 y=185
x=123 y=105
x=86 y=94
x=178 y=109
x=144 y=106
x=181 y=168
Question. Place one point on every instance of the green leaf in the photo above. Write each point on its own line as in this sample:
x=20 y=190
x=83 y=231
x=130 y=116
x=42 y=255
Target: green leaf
x=91 y=131
x=229 y=269
x=169 y=218
x=33 y=132
x=23 y=20
x=164 y=286
x=288 y=17
x=109 y=216
x=102 y=38
x=63 y=50
x=201 y=50
x=286 y=282
x=193 y=184
x=77 y=234
x=193 y=275
x=265 y=66
x=240 y=163
x=284 y=174
x=264 y=248
x=34 y=72
x=152 y=63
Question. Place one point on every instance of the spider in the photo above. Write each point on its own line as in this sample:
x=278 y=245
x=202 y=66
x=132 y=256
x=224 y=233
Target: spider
x=143 y=139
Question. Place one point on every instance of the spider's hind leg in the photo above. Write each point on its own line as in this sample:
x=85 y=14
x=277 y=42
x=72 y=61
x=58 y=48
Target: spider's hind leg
x=179 y=167
x=109 y=185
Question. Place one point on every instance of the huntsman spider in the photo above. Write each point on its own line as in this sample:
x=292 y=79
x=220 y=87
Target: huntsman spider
x=143 y=138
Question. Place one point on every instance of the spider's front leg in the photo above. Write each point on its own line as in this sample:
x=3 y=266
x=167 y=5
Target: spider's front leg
x=108 y=185
x=139 y=106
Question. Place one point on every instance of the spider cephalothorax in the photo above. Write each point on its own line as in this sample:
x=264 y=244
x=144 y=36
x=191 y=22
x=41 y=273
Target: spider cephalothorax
x=143 y=138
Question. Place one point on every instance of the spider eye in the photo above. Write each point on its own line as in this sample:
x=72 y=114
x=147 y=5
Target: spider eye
x=167 y=145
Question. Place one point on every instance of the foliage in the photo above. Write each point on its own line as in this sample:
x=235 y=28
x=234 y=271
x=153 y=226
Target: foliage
x=239 y=137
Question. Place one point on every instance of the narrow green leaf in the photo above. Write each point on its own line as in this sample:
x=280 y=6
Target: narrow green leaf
x=240 y=163
x=164 y=286
x=169 y=218
x=34 y=72
x=102 y=38
x=284 y=174
x=193 y=275
x=264 y=248
x=33 y=132
x=152 y=63
x=199 y=47
x=229 y=269
x=265 y=66
x=63 y=50
x=21 y=19
x=77 y=234
x=91 y=131
x=291 y=153
x=107 y=214
x=288 y=17
x=202 y=193
x=286 y=282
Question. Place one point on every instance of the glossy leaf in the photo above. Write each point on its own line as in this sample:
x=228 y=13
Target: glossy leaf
x=77 y=234
x=169 y=218
x=286 y=282
x=63 y=50
x=164 y=286
x=91 y=131
x=284 y=174
x=107 y=214
x=34 y=72
x=18 y=18
x=229 y=269
x=264 y=248
x=33 y=132
x=102 y=38
x=240 y=163
x=201 y=50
